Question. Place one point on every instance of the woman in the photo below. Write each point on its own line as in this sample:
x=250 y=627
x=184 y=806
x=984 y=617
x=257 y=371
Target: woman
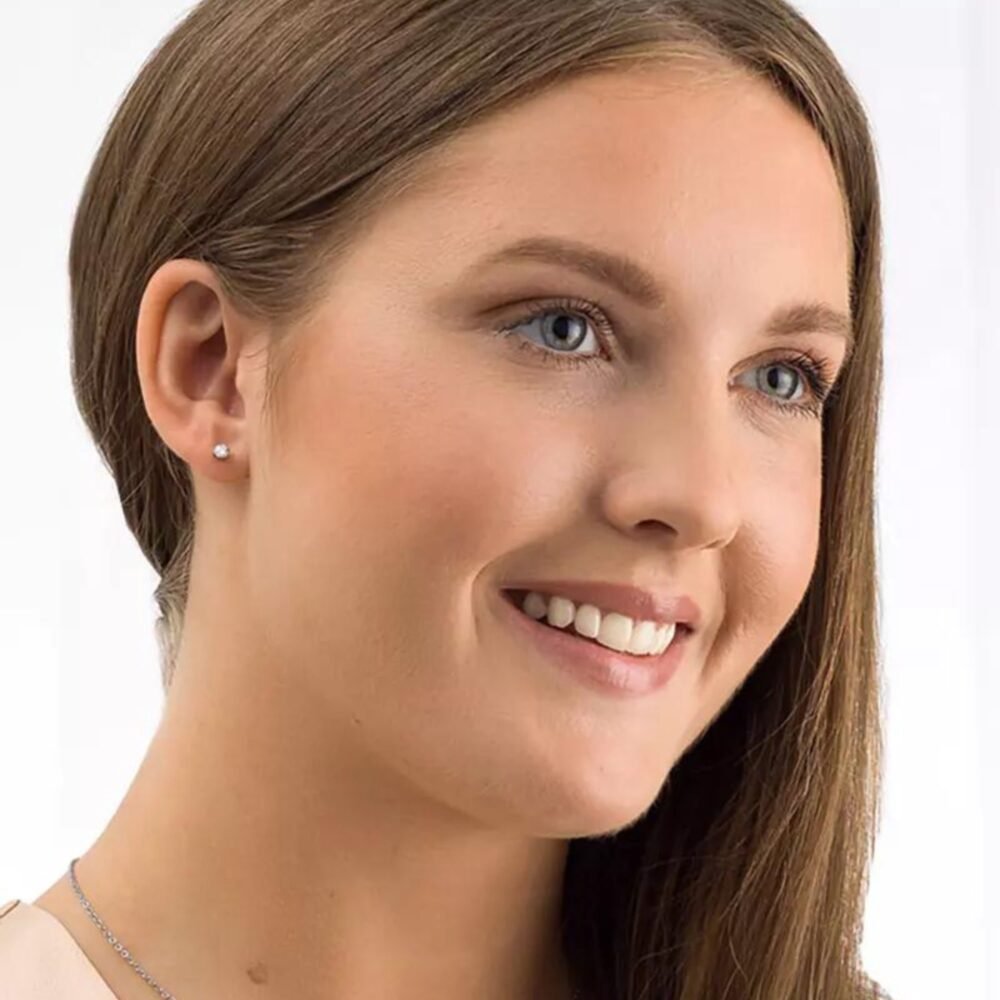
x=408 y=528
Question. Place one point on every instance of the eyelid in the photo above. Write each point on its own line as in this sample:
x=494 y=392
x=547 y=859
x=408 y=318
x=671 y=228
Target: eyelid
x=593 y=309
x=608 y=329
x=821 y=375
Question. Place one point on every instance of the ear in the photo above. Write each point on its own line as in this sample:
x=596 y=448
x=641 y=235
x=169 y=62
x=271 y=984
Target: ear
x=189 y=342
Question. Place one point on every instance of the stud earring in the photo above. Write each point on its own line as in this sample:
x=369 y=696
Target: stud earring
x=221 y=451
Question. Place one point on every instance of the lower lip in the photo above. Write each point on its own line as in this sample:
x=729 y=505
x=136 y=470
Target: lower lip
x=596 y=666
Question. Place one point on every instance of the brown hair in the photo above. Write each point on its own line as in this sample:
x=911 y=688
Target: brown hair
x=259 y=137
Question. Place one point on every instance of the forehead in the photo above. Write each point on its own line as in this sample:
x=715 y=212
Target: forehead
x=702 y=174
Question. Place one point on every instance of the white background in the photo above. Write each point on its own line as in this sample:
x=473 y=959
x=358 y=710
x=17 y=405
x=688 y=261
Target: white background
x=79 y=683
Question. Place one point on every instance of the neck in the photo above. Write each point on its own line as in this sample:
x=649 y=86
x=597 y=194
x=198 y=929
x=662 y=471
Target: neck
x=254 y=846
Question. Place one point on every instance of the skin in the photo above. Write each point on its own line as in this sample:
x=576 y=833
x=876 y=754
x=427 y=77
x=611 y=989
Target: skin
x=364 y=780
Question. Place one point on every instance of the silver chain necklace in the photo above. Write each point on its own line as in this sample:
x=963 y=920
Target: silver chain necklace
x=124 y=952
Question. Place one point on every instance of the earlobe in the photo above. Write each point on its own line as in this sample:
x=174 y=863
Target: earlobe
x=186 y=347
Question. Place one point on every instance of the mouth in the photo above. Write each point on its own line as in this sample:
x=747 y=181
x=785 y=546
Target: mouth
x=516 y=598
x=598 y=667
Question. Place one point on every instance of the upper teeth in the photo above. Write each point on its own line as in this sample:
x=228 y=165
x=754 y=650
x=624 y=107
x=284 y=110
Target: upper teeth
x=609 y=628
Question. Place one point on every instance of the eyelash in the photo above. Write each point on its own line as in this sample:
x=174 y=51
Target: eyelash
x=816 y=372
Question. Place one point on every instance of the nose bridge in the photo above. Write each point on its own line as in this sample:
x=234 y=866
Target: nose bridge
x=676 y=461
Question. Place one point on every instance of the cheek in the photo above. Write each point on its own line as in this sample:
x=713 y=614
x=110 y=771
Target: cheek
x=767 y=568
x=783 y=523
x=399 y=474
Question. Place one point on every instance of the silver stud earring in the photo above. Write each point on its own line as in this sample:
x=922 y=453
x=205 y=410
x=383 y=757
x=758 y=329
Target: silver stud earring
x=221 y=451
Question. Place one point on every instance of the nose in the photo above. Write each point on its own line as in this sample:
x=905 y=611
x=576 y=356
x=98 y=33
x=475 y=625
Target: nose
x=675 y=473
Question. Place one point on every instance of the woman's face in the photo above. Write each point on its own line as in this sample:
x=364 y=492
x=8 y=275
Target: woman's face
x=424 y=463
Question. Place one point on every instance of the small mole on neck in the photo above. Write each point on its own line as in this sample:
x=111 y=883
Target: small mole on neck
x=257 y=973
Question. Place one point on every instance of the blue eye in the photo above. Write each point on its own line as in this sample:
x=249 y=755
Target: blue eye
x=566 y=328
x=561 y=331
x=813 y=373
x=765 y=378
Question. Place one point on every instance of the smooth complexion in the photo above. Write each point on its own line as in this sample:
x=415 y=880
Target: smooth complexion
x=363 y=780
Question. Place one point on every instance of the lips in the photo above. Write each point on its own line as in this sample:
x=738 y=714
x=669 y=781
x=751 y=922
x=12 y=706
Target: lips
x=602 y=669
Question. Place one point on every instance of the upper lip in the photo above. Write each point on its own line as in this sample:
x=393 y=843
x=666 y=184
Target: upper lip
x=655 y=604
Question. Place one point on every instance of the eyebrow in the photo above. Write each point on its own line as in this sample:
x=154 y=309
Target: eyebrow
x=631 y=279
